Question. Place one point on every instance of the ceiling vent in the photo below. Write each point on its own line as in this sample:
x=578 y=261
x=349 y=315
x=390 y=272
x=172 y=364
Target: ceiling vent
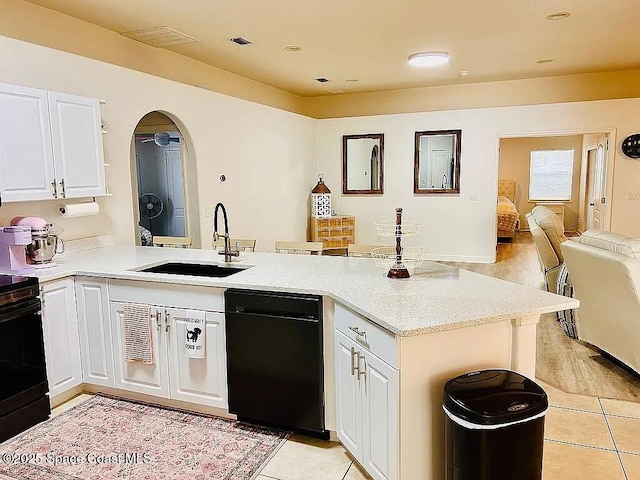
x=322 y=80
x=240 y=41
x=159 y=36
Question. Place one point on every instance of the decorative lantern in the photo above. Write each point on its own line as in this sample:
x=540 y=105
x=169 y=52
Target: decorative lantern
x=320 y=200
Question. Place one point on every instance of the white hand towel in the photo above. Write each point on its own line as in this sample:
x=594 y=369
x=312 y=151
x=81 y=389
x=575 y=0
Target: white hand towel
x=195 y=330
x=137 y=333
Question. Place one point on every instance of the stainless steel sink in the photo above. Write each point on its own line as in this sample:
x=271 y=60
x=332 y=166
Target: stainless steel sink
x=193 y=269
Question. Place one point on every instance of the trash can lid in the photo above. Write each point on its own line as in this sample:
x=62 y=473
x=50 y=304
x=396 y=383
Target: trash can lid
x=493 y=397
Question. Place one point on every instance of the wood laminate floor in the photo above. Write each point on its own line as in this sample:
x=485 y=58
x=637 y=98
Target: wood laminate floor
x=568 y=364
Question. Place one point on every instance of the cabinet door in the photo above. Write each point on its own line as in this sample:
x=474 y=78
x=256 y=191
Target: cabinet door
x=197 y=380
x=95 y=331
x=26 y=156
x=380 y=409
x=348 y=395
x=77 y=145
x=61 y=344
x=151 y=379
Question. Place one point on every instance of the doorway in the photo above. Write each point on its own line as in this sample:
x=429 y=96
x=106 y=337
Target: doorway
x=162 y=173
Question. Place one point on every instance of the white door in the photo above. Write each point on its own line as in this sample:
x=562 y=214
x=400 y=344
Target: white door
x=77 y=145
x=197 y=380
x=175 y=194
x=589 y=198
x=599 y=185
x=151 y=379
x=95 y=331
x=348 y=399
x=26 y=155
x=440 y=169
x=380 y=411
x=61 y=343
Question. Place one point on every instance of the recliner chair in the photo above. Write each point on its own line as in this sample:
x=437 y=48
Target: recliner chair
x=604 y=268
x=547 y=231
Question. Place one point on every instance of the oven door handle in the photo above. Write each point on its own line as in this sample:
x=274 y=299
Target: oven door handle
x=27 y=308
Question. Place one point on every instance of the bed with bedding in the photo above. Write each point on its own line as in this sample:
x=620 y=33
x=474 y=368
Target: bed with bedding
x=508 y=216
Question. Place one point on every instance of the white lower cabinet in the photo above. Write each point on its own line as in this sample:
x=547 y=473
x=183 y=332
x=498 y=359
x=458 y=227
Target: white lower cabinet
x=367 y=411
x=61 y=340
x=173 y=374
x=92 y=300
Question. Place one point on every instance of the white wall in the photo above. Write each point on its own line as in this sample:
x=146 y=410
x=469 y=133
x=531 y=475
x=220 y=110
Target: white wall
x=454 y=227
x=267 y=154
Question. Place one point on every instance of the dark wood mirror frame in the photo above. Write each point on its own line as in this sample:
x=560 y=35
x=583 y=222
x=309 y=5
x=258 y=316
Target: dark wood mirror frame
x=379 y=167
x=455 y=186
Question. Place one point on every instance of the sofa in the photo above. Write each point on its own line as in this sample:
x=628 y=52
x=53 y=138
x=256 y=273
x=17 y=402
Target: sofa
x=547 y=231
x=604 y=269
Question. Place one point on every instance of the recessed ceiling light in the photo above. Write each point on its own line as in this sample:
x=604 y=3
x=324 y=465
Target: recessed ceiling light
x=428 y=59
x=463 y=73
x=558 y=15
x=322 y=80
x=545 y=60
x=293 y=48
x=351 y=80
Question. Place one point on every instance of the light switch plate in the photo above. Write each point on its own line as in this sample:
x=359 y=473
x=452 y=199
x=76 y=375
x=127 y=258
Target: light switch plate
x=209 y=211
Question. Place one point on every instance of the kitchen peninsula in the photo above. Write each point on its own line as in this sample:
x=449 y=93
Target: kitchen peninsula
x=408 y=337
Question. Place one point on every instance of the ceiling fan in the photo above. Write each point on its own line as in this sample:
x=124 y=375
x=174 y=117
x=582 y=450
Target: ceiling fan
x=162 y=139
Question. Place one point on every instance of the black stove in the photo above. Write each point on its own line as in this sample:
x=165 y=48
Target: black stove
x=23 y=378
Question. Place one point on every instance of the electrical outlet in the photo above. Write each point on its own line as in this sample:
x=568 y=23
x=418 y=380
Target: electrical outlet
x=209 y=211
x=473 y=197
x=633 y=196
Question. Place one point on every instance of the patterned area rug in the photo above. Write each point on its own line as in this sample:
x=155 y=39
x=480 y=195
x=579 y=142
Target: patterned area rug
x=105 y=438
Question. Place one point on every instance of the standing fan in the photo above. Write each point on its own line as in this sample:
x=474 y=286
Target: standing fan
x=150 y=207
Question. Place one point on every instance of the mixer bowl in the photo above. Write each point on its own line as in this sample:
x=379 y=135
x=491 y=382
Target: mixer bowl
x=43 y=248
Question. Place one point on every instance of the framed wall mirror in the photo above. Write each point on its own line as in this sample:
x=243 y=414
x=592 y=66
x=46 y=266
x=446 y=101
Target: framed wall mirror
x=362 y=163
x=436 y=167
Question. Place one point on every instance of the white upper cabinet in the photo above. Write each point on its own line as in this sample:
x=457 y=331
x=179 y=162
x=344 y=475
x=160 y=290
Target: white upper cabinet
x=50 y=145
x=26 y=155
x=77 y=145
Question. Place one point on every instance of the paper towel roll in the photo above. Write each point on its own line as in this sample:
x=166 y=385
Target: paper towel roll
x=80 y=209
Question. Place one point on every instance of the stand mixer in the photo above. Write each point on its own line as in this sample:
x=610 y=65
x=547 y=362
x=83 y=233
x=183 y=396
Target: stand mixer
x=44 y=244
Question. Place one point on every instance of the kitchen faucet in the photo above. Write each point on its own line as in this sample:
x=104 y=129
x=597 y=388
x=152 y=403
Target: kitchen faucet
x=228 y=253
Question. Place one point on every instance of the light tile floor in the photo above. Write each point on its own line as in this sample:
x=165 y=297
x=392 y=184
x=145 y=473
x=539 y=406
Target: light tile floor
x=585 y=438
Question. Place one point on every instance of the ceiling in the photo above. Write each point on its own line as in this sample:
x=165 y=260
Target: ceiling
x=370 y=40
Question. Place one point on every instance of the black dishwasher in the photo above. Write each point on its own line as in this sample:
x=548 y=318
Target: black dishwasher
x=274 y=359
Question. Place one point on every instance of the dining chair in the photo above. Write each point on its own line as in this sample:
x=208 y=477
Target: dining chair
x=361 y=250
x=240 y=244
x=299 y=248
x=172 y=242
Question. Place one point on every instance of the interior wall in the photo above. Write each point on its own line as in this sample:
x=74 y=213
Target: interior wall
x=267 y=154
x=457 y=227
x=515 y=154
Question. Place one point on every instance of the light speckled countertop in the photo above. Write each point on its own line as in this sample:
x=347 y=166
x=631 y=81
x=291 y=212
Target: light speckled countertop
x=437 y=297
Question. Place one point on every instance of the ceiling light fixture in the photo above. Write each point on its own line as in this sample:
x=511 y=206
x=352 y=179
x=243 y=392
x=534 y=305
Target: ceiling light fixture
x=293 y=48
x=240 y=41
x=558 y=15
x=428 y=59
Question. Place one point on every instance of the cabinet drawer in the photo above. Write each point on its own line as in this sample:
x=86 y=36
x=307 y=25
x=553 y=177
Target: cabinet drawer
x=185 y=296
x=362 y=331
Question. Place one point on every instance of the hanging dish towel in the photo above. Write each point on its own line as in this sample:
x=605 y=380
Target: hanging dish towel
x=194 y=340
x=137 y=333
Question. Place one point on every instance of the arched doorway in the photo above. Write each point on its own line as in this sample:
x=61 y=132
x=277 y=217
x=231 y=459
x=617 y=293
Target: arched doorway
x=165 y=189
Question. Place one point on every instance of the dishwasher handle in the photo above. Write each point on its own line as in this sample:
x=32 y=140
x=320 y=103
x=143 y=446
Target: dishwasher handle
x=281 y=315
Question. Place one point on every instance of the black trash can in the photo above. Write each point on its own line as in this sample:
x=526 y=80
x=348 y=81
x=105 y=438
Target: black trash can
x=494 y=426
